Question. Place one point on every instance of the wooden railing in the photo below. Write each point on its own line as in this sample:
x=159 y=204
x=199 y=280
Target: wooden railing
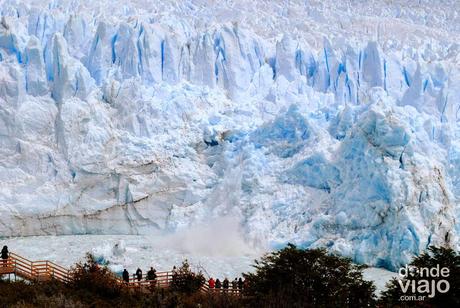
x=47 y=270
x=33 y=270
x=164 y=280
x=230 y=290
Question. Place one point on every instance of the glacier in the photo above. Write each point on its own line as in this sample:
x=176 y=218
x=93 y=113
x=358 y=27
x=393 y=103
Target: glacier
x=309 y=124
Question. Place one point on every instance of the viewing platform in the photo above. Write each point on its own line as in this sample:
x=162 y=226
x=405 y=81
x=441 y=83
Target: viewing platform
x=46 y=270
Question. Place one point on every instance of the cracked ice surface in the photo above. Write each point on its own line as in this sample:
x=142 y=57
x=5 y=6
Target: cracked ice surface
x=319 y=123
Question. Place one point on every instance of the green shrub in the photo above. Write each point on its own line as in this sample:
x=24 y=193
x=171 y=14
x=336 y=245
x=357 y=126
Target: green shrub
x=293 y=277
x=90 y=277
x=186 y=281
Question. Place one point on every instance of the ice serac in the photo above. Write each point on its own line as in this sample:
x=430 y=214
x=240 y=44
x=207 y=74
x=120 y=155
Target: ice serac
x=149 y=45
x=203 y=61
x=324 y=79
x=337 y=130
x=305 y=61
x=286 y=58
x=414 y=94
x=10 y=42
x=36 y=83
x=125 y=52
x=238 y=58
x=170 y=57
x=75 y=34
x=372 y=65
x=100 y=57
x=70 y=77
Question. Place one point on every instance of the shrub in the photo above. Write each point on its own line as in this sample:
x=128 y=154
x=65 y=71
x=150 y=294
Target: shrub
x=294 y=277
x=186 y=281
x=92 y=278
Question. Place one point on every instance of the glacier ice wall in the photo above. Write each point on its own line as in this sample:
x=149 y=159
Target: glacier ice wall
x=333 y=130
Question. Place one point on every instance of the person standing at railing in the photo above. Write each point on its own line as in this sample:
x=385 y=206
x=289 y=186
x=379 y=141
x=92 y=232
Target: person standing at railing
x=139 y=274
x=225 y=284
x=211 y=283
x=235 y=285
x=5 y=255
x=218 y=284
x=152 y=276
x=175 y=275
x=125 y=276
x=240 y=284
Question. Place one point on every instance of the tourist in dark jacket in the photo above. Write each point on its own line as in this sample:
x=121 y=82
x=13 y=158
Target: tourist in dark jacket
x=225 y=284
x=5 y=255
x=125 y=276
x=218 y=284
x=175 y=274
x=139 y=274
x=240 y=284
x=235 y=285
x=152 y=274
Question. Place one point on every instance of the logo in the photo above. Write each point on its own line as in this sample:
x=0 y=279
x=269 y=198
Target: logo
x=418 y=282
